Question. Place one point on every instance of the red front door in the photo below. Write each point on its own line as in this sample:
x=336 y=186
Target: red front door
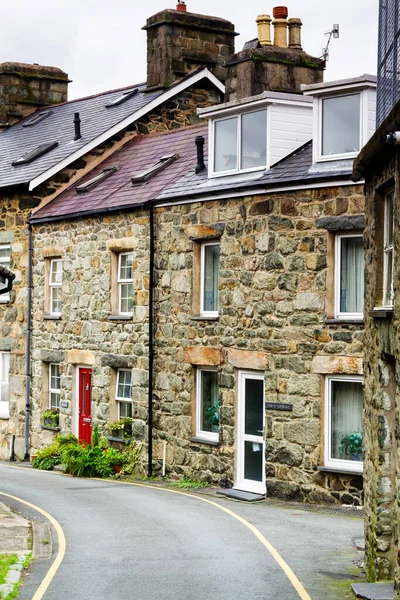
x=85 y=397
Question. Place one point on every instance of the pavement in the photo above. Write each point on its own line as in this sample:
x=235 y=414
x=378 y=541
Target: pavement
x=15 y=538
x=139 y=541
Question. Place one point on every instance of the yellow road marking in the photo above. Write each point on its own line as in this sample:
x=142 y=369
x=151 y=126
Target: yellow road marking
x=294 y=580
x=61 y=545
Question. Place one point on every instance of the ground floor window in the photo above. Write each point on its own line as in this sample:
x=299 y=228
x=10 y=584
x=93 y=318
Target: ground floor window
x=343 y=422
x=54 y=386
x=123 y=394
x=207 y=405
x=4 y=373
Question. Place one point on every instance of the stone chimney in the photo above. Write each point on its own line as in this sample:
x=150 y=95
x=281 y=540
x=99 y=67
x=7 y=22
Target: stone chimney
x=24 y=88
x=280 y=66
x=178 y=42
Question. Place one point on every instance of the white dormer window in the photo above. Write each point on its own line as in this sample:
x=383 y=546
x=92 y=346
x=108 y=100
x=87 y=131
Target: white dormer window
x=240 y=143
x=341 y=125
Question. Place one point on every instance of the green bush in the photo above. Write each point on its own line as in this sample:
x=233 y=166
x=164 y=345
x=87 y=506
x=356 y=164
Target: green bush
x=49 y=457
x=131 y=455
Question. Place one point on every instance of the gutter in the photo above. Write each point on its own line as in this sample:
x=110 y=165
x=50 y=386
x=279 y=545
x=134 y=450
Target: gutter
x=28 y=343
x=151 y=342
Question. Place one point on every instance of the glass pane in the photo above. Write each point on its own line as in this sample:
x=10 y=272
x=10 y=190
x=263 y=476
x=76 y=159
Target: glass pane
x=389 y=277
x=56 y=300
x=347 y=430
x=389 y=219
x=124 y=384
x=5 y=367
x=125 y=266
x=56 y=271
x=254 y=407
x=209 y=401
x=5 y=255
x=83 y=393
x=211 y=271
x=253 y=461
x=341 y=124
x=55 y=377
x=125 y=410
x=126 y=298
x=225 y=145
x=254 y=140
x=352 y=275
x=54 y=400
x=3 y=392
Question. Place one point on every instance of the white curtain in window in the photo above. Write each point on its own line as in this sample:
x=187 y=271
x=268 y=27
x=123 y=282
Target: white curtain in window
x=346 y=413
x=352 y=275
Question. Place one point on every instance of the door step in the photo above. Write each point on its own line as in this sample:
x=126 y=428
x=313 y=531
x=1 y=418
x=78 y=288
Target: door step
x=373 y=591
x=239 y=495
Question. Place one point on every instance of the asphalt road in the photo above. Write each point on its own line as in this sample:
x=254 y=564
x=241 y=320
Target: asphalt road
x=139 y=543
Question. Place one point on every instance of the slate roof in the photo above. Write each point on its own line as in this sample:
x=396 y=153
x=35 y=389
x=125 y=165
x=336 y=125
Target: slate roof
x=59 y=127
x=117 y=191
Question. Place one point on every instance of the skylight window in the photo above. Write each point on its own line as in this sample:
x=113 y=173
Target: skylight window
x=34 y=154
x=125 y=96
x=38 y=118
x=160 y=165
x=89 y=185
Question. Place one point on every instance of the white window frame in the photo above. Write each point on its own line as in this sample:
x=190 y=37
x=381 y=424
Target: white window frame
x=209 y=436
x=363 y=124
x=54 y=390
x=4 y=381
x=386 y=249
x=122 y=282
x=120 y=399
x=337 y=463
x=53 y=286
x=239 y=116
x=338 y=259
x=207 y=313
x=4 y=298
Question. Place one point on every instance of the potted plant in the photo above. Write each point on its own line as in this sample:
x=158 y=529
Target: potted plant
x=114 y=458
x=212 y=416
x=121 y=428
x=51 y=417
x=351 y=444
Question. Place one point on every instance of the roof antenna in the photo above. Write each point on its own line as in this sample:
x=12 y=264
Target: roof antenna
x=334 y=32
x=77 y=123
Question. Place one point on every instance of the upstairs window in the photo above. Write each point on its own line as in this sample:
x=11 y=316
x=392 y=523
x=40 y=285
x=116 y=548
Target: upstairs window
x=209 y=279
x=55 y=283
x=125 y=283
x=341 y=125
x=388 y=254
x=240 y=143
x=349 y=280
x=5 y=259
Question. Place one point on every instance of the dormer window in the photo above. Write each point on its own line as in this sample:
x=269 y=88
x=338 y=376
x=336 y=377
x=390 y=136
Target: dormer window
x=341 y=125
x=240 y=143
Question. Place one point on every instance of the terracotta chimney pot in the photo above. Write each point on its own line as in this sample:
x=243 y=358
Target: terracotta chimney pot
x=181 y=6
x=264 y=30
x=280 y=12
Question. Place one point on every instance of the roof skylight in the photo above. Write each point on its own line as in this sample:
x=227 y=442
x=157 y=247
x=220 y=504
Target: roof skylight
x=38 y=118
x=125 y=96
x=34 y=154
x=91 y=183
x=160 y=165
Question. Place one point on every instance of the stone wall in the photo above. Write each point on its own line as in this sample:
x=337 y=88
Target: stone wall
x=272 y=294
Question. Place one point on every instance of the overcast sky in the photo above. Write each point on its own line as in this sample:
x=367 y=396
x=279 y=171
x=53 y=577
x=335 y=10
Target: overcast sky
x=101 y=46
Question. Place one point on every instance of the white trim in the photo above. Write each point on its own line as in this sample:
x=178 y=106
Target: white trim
x=338 y=254
x=204 y=74
x=54 y=390
x=207 y=313
x=122 y=282
x=258 y=487
x=233 y=194
x=387 y=249
x=53 y=285
x=349 y=465
x=210 y=436
x=220 y=112
x=5 y=380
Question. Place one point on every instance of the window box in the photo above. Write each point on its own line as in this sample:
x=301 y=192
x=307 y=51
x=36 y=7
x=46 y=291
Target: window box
x=51 y=417
x=207 y=405
x=121 y=429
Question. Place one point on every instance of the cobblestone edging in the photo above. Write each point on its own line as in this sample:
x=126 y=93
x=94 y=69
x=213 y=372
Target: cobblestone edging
x=13 y=576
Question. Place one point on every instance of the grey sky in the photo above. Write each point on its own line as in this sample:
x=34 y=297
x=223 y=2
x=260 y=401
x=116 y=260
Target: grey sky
x=100 y=44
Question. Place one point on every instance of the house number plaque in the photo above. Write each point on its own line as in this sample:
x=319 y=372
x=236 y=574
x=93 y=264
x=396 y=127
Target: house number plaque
x=278 y=406
x=64 y=404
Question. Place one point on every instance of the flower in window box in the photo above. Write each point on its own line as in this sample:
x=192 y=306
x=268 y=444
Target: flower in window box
x=352 y=445
x=121 y=428
x=51 y=417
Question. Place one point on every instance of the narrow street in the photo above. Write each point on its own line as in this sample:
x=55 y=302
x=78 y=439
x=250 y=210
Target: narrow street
x=126 y=541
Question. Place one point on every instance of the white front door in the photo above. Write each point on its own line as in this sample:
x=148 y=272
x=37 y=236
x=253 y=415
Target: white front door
x=250 y=471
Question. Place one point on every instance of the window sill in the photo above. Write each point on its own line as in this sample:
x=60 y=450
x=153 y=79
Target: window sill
x=50 y=428
x=343 y=471
x=120 y=317
x=204 y=318
x=52 y=317
x=4 y=417
x=117 y=439
x=344 y=321
x=381 y=313
x=203 y=441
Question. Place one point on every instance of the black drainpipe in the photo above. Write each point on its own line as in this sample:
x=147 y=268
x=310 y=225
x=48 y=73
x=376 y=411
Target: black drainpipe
x=28 y=344
x=151 y=355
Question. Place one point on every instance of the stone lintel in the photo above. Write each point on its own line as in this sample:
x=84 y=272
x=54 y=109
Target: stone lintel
x=341 y=223
x=203 y=356
x=52 y=356
x=127 y=243
x=330 y=365
x=116 y=361
x=204 y=232
x=7 y=344
x=247 y=359
x=52 y=252
x=80 y=357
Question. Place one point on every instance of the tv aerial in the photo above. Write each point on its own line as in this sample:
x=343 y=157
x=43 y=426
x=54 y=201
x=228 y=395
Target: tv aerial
x=333 y=33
